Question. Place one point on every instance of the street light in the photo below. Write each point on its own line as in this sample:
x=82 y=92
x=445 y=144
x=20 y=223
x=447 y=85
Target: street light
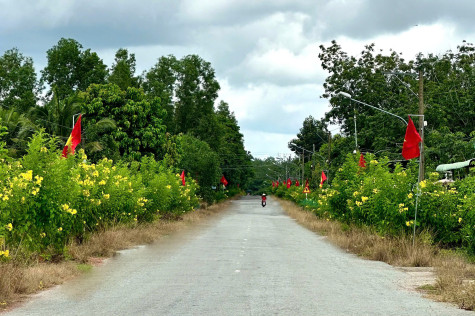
x=421 y=163
x=347 y=95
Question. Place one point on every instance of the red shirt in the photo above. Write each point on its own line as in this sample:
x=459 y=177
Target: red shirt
x=264 y=198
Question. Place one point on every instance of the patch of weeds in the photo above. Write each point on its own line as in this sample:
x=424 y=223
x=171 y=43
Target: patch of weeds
x=84 y=267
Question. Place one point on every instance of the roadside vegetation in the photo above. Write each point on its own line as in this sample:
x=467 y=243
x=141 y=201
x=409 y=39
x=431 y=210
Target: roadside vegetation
x=370 y=211
x=26 y=278
x=154 y=150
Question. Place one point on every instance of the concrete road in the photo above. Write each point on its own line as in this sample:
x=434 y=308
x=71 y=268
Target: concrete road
x=248 y=261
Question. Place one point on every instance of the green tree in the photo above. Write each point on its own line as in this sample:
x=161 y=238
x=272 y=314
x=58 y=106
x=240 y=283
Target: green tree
x=70 y=69
x=18 y=85
x=201 y=162
x=196 y=92
x=139 y=131
x=313 y=134
x=235 y=160
x=123 y=70
x=160 y=81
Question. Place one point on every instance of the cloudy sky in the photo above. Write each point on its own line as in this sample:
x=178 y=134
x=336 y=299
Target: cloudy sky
x=265 y=52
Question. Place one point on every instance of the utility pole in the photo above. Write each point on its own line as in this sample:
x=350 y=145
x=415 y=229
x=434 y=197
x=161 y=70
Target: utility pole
x=303 y=164
x=421 y=124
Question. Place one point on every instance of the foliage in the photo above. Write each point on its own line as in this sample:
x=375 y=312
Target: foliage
x=123 y=70
x=139 y=130
x=448 y=95
x=201 y=163
x=70 y=69
x=313 y=134
x=18 y=85
x=385 y=199
x=46 y=200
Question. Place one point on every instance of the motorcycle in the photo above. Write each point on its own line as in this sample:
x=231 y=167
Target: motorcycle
x=263 y=203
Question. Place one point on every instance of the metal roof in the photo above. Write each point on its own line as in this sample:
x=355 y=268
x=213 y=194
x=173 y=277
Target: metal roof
x=457 y=165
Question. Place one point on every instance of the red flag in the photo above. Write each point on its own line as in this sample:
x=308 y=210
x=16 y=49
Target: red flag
x=289 y=183
x=224 y=181
x=410 y=148
x=74 y=139
x=297 y=184
x=324 y=178
x=306 y=183
x=183 y=178
x=362 y=162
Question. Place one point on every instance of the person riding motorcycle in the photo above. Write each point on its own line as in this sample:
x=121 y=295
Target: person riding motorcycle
x=264 y=198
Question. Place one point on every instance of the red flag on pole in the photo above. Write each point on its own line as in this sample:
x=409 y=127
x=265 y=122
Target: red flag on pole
x=289 y=183
x=74 y=139
x=183 y=178
x=224 y=181
x=324 y=178
x=362 y=162
x=297 y=183
x=410 y=148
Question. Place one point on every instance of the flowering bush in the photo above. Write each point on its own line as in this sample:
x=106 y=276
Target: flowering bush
x=46 y=200
x=385 y=199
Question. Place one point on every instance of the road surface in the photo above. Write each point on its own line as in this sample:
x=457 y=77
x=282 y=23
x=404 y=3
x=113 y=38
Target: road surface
x=249 y=260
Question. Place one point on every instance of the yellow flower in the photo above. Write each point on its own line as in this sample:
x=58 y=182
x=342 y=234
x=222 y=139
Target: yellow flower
x=359 y=203
x=401 y=205
x=60 y=229
x=44 y=149
x=423 y=184
x=95 y=173
x=106 y=196
x=460 y=219
x=102 y=182
x=410 y=195
x=6 y=253
x=38 y=179
x=169 y=186
x=375 y=191
x=364 y=199
x=86 y=193
x=27 y=175
x=5 y=198
x=355 y=193
x=22 y=199
x=9 y=227
x=42 y=235
x=374 y=162
x=408 y=223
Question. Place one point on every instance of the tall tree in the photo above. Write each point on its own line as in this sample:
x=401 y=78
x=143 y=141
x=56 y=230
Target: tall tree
x=196 y=92
x=18 y=85
x=160 y=81
x=123 y=70
x=235 y=160
x=70 y=69
x=139 y=130
x=313 y=134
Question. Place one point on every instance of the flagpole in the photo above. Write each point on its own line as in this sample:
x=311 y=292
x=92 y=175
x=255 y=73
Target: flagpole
x=419 y=176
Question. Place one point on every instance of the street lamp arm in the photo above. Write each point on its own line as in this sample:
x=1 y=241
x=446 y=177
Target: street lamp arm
x=347 y=95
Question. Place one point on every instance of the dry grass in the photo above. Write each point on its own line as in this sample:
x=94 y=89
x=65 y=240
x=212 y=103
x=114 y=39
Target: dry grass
x=455 y=275
x=28 y=278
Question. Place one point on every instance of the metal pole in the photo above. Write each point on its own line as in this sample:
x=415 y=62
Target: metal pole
x=356 y=133
x=420 y=178
x=421 y=124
